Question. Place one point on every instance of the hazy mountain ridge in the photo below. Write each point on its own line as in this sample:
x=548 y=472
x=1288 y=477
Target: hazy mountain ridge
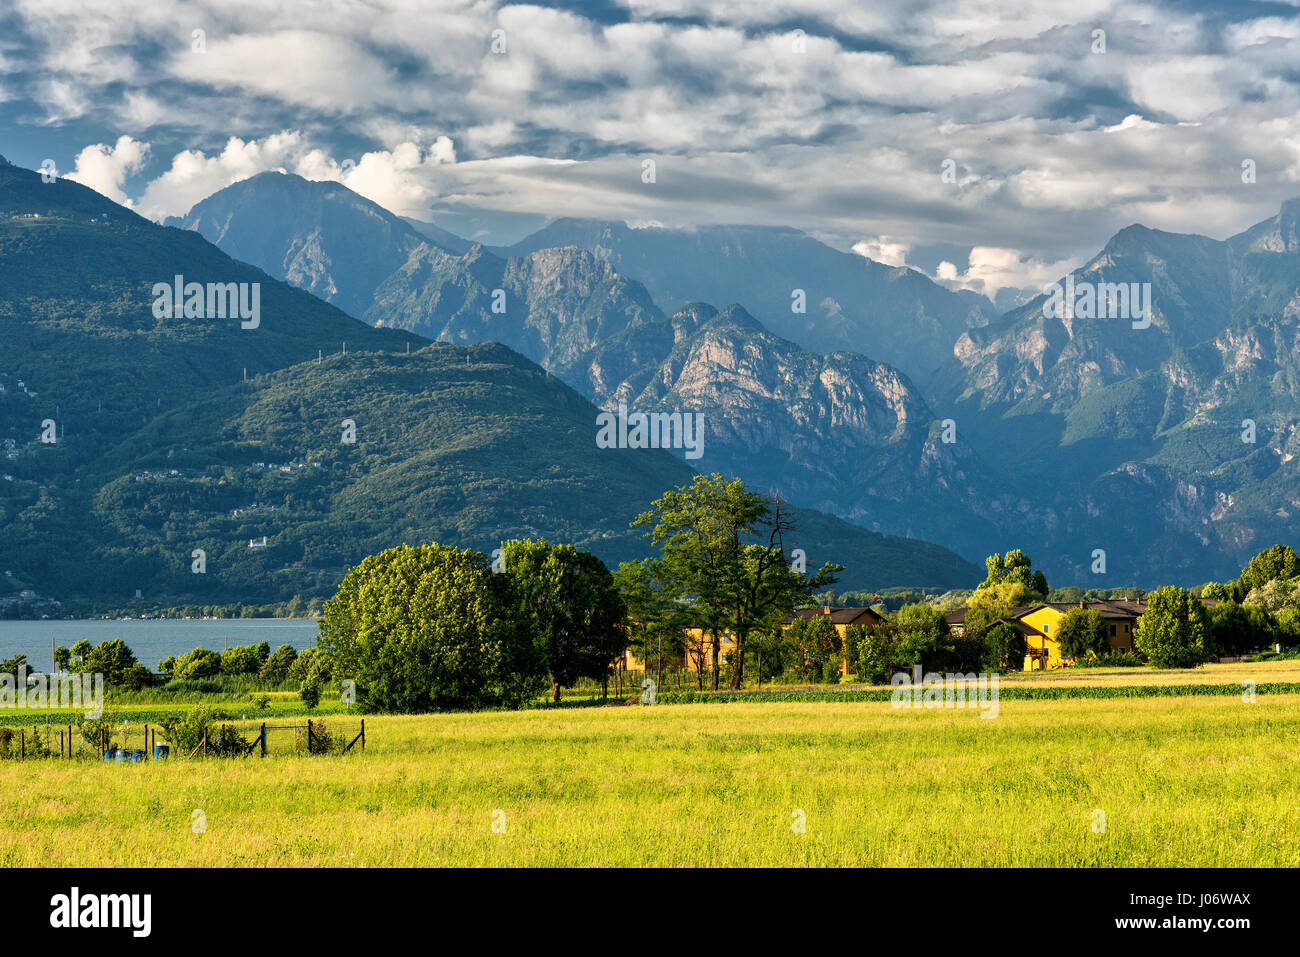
x=1055 y=417
x=894 y=314
x=163 y=447
x=319 y=236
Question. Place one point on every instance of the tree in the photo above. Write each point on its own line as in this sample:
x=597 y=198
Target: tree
x=1084 y=632
x=199 y=663
x=113 y=659
x=870 y=652
x=1272 y=595
x=1015 y=568
x=276 y=668
x=1005 y=648
x=62 y=658
x=571 y=604
x=244 y=659
x=923 y=637
x=81 y=649
x=310 y=693
x=1215 y=590
x=424 y=628
x=1174 y=631
x=656 y=620
x=1231 y=628
x=733 y=584
x=1279 y=562
x=813 y=642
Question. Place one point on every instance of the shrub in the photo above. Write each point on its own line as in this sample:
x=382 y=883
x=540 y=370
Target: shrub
x=323 y=741
x=97 y=732
x=187 y=733
x=310 y=693
x=1125 y=660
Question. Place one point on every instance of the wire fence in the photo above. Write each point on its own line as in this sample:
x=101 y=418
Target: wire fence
x=69 y=742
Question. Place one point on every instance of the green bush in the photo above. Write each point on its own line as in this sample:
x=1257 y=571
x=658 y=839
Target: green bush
x=186 y=734
x=310 y=693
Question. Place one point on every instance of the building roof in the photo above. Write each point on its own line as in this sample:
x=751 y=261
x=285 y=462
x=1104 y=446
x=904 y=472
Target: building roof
x=840 y=616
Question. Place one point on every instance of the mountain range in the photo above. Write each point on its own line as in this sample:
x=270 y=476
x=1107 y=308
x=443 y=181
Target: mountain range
x=274 y=454
x=891 y=401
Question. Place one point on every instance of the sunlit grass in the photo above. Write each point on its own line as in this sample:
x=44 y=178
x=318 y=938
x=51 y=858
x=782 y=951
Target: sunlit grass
x=1187 y=781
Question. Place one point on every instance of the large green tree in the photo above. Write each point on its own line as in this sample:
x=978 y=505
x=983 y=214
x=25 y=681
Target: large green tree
x=572 y=607
x=1084 y=631
x=429 y=627
x=723 y=550
x=923 y=637
x=1174 y=631
x=1279 y=562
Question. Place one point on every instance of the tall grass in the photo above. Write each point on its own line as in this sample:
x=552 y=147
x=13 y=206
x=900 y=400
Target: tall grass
x=1181 y=781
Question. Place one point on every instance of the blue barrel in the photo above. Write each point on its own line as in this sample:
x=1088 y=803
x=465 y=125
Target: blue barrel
x=161 y=751
x=120 y=756
x=135 y=756
x=108 y=755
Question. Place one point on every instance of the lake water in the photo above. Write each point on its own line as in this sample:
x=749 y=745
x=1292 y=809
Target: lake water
x=152 y=641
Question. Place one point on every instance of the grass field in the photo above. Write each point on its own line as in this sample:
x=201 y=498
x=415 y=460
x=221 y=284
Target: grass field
x=1186 y=781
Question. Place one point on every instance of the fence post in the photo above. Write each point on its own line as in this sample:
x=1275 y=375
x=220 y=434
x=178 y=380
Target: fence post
x=263 y=739
x=363 y=735
x=22 y=744
x=309 y=735
x=205 y=742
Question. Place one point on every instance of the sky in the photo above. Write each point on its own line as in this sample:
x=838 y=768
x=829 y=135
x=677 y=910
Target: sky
x=987 y=144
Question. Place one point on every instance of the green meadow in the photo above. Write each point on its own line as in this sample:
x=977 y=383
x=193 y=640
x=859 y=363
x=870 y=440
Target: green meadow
x=1160 y=781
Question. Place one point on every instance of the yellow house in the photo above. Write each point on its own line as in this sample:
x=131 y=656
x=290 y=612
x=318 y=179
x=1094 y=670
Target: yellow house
x=699 y=642
x=1043 y=626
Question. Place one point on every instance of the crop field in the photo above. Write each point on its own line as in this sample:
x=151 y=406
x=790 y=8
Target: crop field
x=1211 y=781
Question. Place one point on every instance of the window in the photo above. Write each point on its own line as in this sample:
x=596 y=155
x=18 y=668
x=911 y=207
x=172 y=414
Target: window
x=1122 y=649
x=1047 y=629
x=1112 y=630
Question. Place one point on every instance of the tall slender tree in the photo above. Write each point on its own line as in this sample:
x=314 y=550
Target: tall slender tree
x=723 y=549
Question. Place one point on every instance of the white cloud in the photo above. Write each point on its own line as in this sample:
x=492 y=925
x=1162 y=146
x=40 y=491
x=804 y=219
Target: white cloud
x=105 y=168
x=992 y=268
x=883 y=250
x=193 y=175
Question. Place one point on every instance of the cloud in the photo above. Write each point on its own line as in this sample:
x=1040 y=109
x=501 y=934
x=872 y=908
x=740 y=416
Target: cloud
x=105 y=168
x=403 y=180
x=883 y=250
x=842 y=133
x=991 y=269
x=194 y=175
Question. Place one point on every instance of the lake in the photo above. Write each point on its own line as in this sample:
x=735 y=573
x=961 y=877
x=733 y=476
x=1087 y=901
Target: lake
x=152 y=640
